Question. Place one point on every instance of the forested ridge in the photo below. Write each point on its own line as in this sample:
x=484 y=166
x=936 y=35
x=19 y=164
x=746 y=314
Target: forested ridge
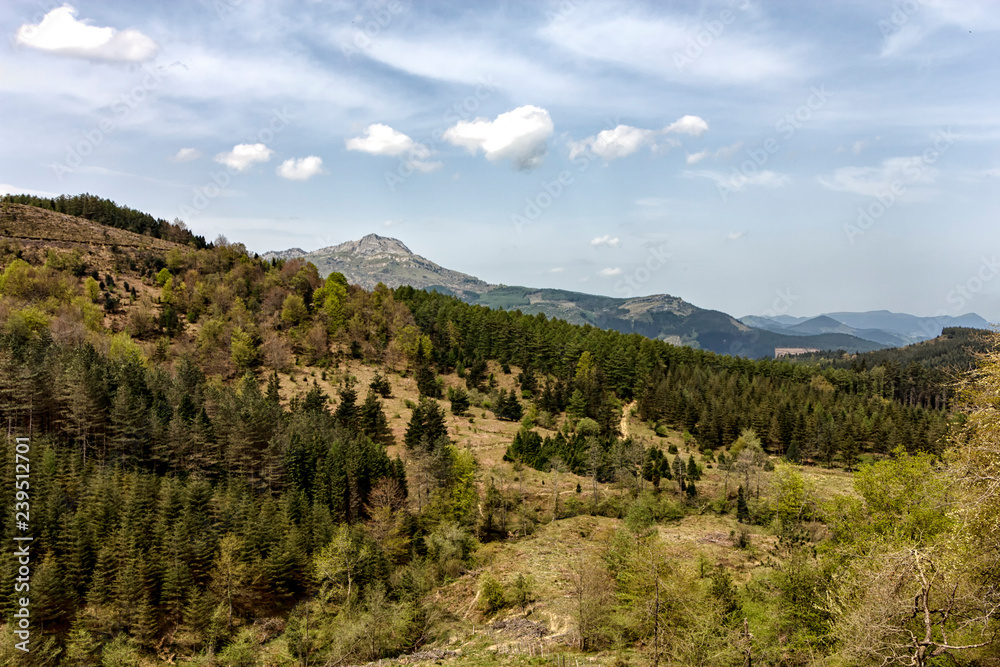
x=235 y=461
x=107 y=212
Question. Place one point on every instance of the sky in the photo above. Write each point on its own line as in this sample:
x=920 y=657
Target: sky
x=751 y=157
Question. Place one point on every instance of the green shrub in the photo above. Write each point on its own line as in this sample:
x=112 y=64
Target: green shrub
x=492 y=596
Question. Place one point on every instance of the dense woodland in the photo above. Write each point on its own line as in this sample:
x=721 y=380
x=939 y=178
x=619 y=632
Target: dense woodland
x=187 y=506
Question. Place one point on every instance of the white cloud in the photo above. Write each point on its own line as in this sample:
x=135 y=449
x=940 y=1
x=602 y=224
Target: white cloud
x=519 y=135
x=301 y=169
x=380 y=139
x=244 y=156
x=624 y=140
x=652 y=202
x=630 y=37
x=610 y=145
x=873 y=181
x=859 y=146
x=692 y=125
x=558 y=269
x=606 y=240
x=186 y=155
x=724 y=153
x=486 y=65
x=607 y=273
x=738 y=181
x=694 y=158
x=7 y=189
x=59 y=32
x=735 y=236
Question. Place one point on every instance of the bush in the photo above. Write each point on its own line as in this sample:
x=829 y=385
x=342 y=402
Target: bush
x=522 y=592
x=141 y=322
x=639 y=517
x=492 y=596
x=450 y=548
x=587 y=427
x=546 y=420
x=740 y=537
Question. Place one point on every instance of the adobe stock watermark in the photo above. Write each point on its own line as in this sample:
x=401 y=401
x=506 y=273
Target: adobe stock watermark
x=550 y=191
x=415 y=161
x=759 y=156
x=900 y=16
x=22 y=552
x=224 y=8
x=373 y=25
x=782 y=303
x=656 y=259
x=885 y=199
x=120 y=109
x=562 y=11
x=702 y=39
x=219 y=180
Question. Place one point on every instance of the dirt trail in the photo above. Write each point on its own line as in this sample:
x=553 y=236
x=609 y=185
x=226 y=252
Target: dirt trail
x=625 y=413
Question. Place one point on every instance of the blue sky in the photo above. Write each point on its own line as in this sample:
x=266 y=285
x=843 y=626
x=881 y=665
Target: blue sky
x=753 y=157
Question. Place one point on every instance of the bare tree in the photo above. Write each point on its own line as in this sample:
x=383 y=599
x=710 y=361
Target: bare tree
x=912 y=605
x=593 y=593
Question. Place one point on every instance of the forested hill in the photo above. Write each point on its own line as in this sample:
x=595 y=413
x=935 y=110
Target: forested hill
x=236 y=461
x=810 y=411
x=915 y=371
x=107 y=212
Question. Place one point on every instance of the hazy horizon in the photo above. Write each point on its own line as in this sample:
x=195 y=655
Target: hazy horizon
x=797 y=158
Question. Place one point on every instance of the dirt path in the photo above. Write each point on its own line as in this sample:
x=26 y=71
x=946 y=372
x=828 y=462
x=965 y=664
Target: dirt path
x=625 y=413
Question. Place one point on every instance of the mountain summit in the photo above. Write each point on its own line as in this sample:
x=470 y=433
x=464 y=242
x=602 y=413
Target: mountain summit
x=375 y=259
x=371 y=245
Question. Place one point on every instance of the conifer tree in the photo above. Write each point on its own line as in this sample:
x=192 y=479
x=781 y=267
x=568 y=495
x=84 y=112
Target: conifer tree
x=693 y=472
x=347 y=411
x=742 y=511
x=372 y=420
x=459 y=400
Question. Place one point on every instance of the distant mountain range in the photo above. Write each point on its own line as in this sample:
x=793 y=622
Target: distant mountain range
x=880 y=326
x=377 y=259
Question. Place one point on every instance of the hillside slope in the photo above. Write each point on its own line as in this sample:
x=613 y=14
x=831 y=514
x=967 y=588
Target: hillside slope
x=30 y=223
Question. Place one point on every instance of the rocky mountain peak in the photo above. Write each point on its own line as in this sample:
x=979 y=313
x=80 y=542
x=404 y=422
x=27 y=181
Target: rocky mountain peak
x=371 y=245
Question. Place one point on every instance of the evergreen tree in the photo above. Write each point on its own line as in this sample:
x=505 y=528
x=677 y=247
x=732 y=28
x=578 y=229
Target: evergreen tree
x=372 y=420
x=427 y=384
x=742 y=512
x=507 y=407
x=459 y=400
x=381 y=386
x=693 y=471
x=347 y=411
x=426 y=425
